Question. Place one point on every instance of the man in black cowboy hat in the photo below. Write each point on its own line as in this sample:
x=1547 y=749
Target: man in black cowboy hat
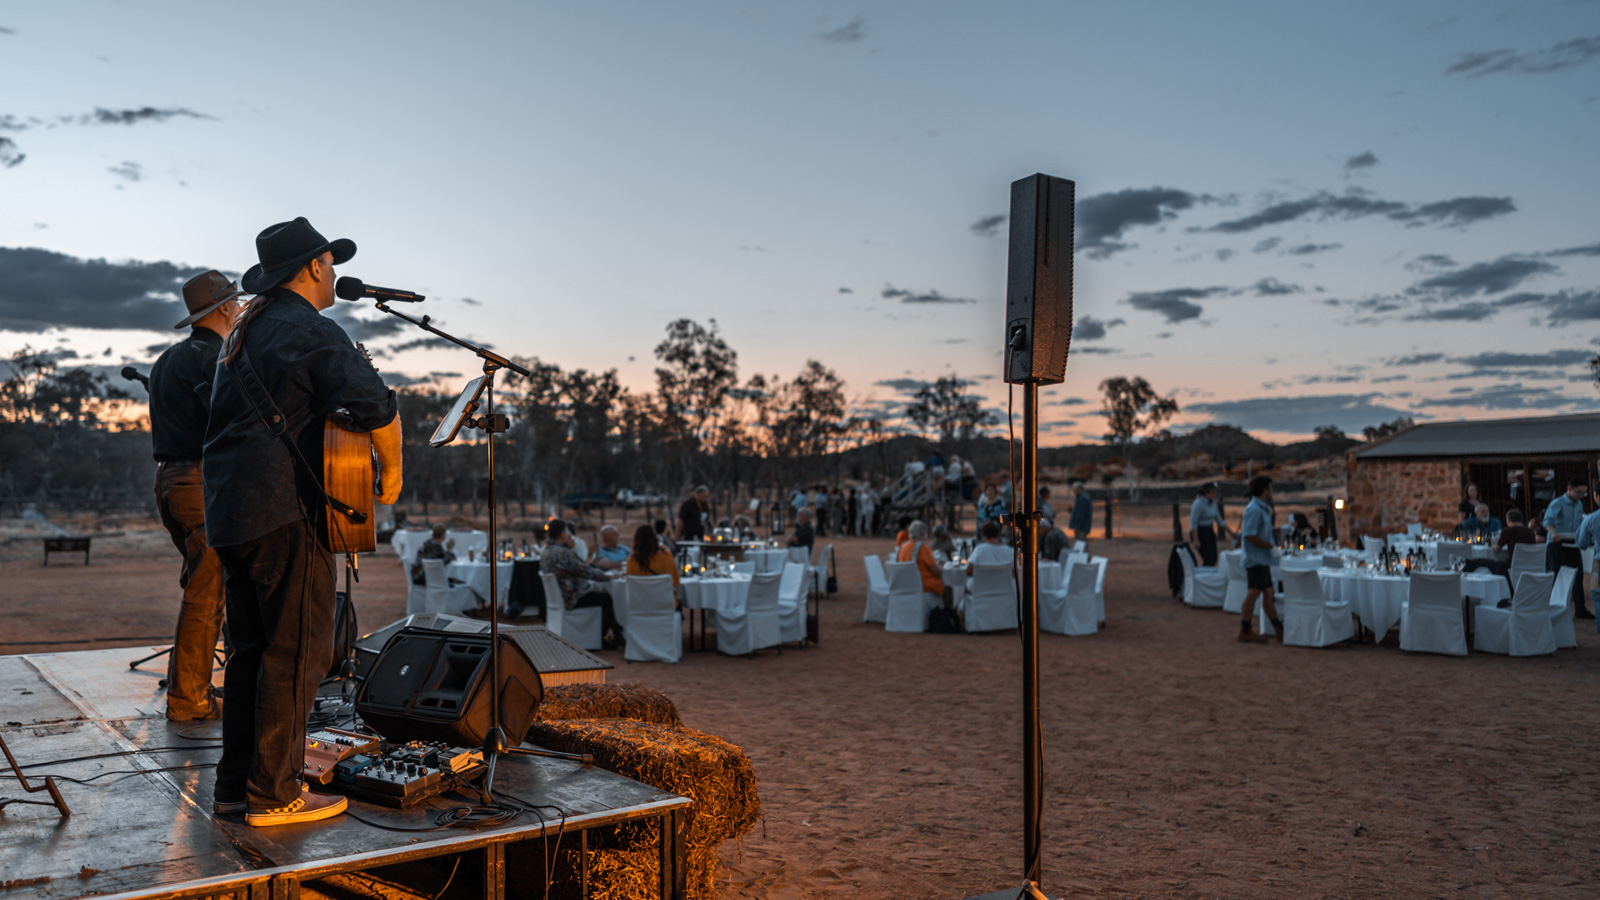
x=180 y=401
x=265 y=512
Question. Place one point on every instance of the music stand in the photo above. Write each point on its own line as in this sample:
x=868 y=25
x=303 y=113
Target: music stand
x=461 y=416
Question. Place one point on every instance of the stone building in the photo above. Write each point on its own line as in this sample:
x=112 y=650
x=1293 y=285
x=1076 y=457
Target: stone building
x=1422 y=473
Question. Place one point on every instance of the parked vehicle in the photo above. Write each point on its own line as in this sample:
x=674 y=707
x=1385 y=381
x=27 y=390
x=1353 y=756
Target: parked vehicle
x=591 y=500
x=634 y=500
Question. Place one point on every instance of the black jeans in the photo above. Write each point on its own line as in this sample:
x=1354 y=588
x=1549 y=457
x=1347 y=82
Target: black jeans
x=608 y=613
x=1208 y=544
x=280 y=619
x=1558 y=554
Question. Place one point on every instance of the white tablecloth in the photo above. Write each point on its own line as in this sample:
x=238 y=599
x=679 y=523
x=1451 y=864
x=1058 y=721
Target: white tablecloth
x=475 y=575
x=407 y=542
x=723 y=595
x=1377 y=599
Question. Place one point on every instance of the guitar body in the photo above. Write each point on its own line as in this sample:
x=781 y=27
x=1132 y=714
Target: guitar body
x=349 y=474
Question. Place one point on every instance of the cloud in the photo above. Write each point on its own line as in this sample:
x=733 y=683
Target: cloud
x=1415 y=359
x=1300 y=415
x=1173 y=304
x=10 y=156
x=903 y=385
x=4 y=30
x=1493 y=277
x=1224 y=255
x=1266 y=245
x=1500 y=359
x=1569 y=306
x=142 y=114
x=1585 y=250
x=1505 y=396
x=1360 y=161
x=362 y=329
x=1431 y=261
x=1308 y=249
x=1098 y=351
x=41 y=289
x=845 y=290
x=1475 y=311
x=1565 y=55
x=1103 y=218
x=128 y=171
x=1089 y=328
x=890 y=292
x=848 y=33
x=400 y=379
x=1272 y=287
x=471 y=302
x=1071 y=401
x=988 y=226
x=1357 y=204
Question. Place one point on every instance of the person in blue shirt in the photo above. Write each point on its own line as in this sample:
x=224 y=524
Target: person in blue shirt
x=1082 y=518
x=1561 y=520
x=1589 y=537
x=1483 y=522
x=611 y=554
x=991 y=508
x=1256 y=533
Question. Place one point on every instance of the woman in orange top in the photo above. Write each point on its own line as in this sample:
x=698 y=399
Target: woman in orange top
x=649 y=557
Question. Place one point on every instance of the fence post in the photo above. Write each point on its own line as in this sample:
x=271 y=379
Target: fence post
x=1110 y=501
x=1177 y=526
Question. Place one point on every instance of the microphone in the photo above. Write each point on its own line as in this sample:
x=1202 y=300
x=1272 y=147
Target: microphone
x=132 y=374
x=352 y=289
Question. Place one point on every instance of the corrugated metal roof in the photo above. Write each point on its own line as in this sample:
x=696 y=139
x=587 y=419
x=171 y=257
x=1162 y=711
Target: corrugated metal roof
x=551 y=653
x=1543 y=436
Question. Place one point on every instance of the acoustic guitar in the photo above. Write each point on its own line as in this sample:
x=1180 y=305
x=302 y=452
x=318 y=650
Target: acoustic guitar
x=349 y=473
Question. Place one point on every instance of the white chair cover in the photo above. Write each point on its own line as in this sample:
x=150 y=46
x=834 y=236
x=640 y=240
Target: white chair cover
x=1414 y=529
x=1526 y=559
x=1446 y=553
x=792 y=603
x=801 y=555
x=992 y=599
x=580 y=626
x=436 y=595
x=908 y=607
x=1566 y=634
x=818 y=582
x=1100 y=563
x=476 y=541
x=654 y=627
x=1204 y=587
x=1525 y=628
x=1308 y=619
x=745 y=568
x=1372 y=545
x=1237 y=586
x=406 y=543
x=758 y=627
x=1430 y=620
x=1071 y=611
x=1080 y=547
x=877 y=591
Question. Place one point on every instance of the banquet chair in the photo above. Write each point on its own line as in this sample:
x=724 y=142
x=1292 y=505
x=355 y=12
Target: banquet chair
x=758 y=626
x=1100 y=563
x=436 y=594
x=744 y=568
x=475 y=541
x=1308 y=619
x=1372 y=546
x=801 y=555
x=1447 y=553
x=1237 y=587
x=1430 y=619
x=1566 y=634
x=1071 y=610
x=1525 y=559
x=654 y=627
x=908 y=605
x=1398 y=540
x=1414 y=529
x=877 y=591
x=792 y=603
x=1524 y=629
x=991 y=599
x=578 y=626
x=817 y=582
x=1204 y=587
x=1080 y=547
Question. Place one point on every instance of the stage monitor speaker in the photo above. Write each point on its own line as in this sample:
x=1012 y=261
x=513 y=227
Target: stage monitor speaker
x=434 y=686
x=1039 y=280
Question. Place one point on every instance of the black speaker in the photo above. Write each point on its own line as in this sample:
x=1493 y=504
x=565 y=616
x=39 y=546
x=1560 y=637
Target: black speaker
x=434 y=686
x=1039 y=280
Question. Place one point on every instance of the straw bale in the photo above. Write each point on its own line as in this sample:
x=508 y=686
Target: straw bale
x=715 y=774
x=608 y=701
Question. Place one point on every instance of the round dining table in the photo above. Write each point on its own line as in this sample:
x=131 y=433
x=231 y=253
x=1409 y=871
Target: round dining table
x=475 y=575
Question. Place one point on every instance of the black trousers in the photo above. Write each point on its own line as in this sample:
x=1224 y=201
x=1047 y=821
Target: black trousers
x=1208 y=544
x=1560 y=553
x=280 y=618
x=608 y=613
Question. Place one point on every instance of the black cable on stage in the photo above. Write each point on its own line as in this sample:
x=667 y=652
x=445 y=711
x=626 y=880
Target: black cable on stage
x=73 y=759
x=125 y=773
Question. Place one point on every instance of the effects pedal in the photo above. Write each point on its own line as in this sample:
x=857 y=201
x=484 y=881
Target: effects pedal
x=327 y=747
x=402 y=775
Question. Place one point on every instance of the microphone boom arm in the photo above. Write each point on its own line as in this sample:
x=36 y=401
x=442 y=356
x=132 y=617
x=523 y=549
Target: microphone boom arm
x=487 y=355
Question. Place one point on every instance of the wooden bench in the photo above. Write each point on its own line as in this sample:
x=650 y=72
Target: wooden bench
x=66 y=545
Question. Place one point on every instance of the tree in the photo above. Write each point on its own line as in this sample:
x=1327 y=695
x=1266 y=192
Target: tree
x=1131 y=406
x=698 y=368
x=1329 y=434
x=809 y=420
x=1379 y=432
x=942 y=407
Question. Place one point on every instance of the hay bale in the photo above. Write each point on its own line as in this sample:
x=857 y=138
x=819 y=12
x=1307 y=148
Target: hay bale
x=608 y=701
x=713 y=773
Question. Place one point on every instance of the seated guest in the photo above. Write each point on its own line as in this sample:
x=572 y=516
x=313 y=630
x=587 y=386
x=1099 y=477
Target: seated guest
x=575 y=578
x=942 y=542
x=1054 y=540
x=1515 y=532
x=991 y=508
x=649 y=557
x=664 y=539
x=904 y=534
x=1482 y=524
x=435 y=547
x=990 y=550
x=1303 y=534
x=804 y=535
x=610 y=554
x=917 y=549
x=1467 y=527
x=742 y=529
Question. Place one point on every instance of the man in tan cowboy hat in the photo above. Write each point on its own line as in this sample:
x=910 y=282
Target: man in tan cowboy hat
x=180 y=402
x=265 y=510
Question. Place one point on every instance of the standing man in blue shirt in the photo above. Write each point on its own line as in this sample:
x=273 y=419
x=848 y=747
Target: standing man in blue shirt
x=1561 y=520
x=1082 y=518
x=1205 y=523
x=1256 y=531
x=1589 y=537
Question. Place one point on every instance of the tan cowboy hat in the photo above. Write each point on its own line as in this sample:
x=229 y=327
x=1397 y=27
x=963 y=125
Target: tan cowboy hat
x=204 y=293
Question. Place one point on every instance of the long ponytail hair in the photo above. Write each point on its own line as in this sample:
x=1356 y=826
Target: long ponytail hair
x=235 y=341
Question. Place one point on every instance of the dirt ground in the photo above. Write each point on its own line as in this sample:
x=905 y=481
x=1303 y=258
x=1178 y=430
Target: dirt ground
x=1179 y=763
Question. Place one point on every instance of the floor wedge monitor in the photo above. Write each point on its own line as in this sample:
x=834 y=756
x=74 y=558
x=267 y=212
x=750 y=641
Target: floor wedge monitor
x=434 y=686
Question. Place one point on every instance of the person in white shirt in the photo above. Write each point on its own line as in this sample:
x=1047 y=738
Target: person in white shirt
x=991 y=550
x=866 y=507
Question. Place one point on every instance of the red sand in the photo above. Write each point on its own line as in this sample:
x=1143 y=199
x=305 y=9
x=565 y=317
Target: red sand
x=1179 y=762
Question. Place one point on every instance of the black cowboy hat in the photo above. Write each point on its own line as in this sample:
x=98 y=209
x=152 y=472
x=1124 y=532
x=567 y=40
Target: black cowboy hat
x=285 y=247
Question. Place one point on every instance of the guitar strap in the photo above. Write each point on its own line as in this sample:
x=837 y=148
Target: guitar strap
x=276 y=423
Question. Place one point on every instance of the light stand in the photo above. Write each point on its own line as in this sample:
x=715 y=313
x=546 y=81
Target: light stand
x=494 y=741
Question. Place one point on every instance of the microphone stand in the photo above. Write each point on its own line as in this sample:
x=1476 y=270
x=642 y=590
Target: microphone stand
x=494 y=742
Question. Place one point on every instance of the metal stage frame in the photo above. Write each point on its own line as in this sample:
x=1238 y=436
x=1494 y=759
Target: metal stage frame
x=153 y=835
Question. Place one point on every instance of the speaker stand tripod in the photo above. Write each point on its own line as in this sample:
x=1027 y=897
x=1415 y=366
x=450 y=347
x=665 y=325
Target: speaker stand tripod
x=495 y=744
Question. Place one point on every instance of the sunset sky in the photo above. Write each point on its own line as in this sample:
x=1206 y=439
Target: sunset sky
x=1289 y=215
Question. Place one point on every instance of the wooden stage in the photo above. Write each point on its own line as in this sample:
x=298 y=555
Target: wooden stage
x=152 y=834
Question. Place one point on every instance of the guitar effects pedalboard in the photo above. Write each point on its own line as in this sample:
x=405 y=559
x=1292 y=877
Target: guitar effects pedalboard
x=402 y=775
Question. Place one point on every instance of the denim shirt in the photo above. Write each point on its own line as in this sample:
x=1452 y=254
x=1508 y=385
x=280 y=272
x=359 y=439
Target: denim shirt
x=253 y=485
x=1258 y=524
x=1563 y=515
x=1589 y=531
